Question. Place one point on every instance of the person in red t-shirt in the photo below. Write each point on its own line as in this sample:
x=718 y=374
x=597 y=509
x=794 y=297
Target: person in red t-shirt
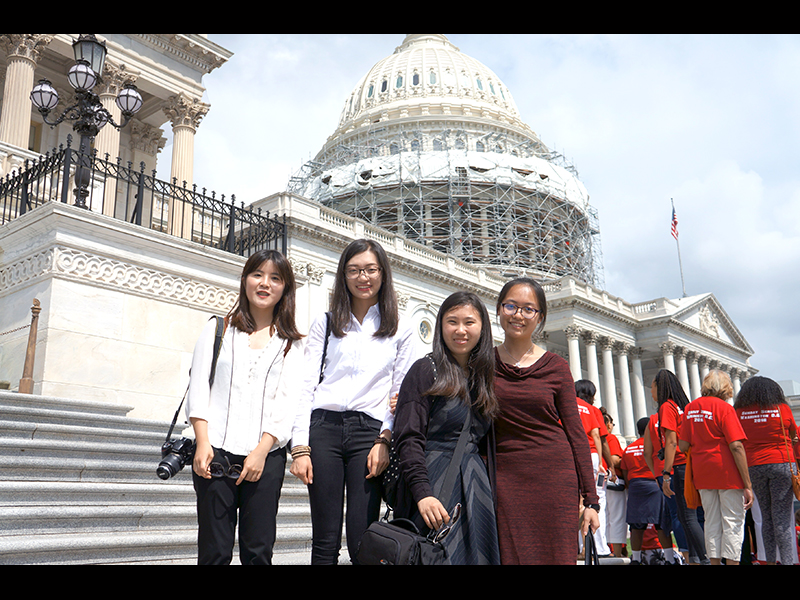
x=596 y=432
x=616 y=494
x=646 y=502
x=771 y=433
x=719 y=466
x=662 y=434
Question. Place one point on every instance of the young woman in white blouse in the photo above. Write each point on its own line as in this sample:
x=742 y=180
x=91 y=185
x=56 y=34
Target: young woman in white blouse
x=342 y=435
x=243 y=421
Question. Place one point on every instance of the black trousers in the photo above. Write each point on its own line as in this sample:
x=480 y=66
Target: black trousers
x=254 y=504
x=340 y=443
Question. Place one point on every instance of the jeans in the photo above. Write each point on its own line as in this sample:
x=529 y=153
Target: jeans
x=220 y=503
x=340 y=443
x=688 y=518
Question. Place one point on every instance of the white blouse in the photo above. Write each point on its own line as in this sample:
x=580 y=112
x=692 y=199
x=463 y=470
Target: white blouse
x=362 y=372
x=254 y=391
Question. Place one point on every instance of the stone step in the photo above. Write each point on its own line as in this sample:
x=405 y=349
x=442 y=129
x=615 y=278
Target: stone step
x=159 y=493
x=79 y=486
x=292 y=547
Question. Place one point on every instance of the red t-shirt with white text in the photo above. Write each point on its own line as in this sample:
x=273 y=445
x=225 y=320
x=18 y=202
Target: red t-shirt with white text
x=709 y=426
x=766 y=443
x=633 y=462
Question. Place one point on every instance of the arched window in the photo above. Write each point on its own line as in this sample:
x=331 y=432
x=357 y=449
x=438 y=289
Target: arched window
x=415 y=79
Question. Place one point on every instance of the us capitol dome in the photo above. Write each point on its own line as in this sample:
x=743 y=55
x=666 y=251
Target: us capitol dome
x=430 y=145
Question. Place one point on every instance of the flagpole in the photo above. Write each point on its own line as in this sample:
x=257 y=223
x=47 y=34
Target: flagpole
x=678 y=244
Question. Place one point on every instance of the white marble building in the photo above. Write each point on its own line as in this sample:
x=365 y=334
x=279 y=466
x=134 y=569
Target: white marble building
x=122 y=304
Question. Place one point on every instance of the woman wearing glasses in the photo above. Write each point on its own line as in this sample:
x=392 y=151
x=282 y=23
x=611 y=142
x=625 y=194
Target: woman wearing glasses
x=341 y=438
x=243 y=420
x=542 y=459
x=442 y=393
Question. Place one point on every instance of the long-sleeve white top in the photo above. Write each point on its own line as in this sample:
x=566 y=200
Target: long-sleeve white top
x=254 y=391
x=362 y=372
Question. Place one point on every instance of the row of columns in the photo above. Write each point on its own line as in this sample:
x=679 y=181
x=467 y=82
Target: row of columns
x=629 y=404
x=23 y=52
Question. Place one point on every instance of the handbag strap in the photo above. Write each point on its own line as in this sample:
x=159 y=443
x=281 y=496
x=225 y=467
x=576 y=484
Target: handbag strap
x=590 y=550
x=455 y=463
x=789 y=454
x=218 y=333
x=325 y=346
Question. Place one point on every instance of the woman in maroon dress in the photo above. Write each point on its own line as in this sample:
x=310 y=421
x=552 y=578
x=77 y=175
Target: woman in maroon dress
x=542 y=458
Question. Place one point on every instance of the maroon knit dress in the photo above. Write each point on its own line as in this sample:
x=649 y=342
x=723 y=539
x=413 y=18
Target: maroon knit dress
x=543 y=466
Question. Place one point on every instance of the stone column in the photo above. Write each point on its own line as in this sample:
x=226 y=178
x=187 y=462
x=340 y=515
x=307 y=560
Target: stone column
x=185 y=114
x=590 y=339
x=107 y=140
x=638 y=384
x=737 y=382
x=667 y=348
x=681 y=371
x=23 y=51
x=574 y=348
x=703 y=363
x=610 y=388
x=694 y=375
x=540 y=339
x=626 y=402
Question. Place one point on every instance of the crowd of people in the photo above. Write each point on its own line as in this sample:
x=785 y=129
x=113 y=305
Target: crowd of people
x=537 y=468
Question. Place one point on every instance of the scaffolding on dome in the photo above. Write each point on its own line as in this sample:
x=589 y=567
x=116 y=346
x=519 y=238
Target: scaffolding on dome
x=514 y=215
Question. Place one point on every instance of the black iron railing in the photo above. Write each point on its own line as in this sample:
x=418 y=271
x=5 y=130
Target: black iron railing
x=136 y=197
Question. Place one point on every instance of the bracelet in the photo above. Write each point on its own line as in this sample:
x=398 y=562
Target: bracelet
x=382 y=440
x=299 y=451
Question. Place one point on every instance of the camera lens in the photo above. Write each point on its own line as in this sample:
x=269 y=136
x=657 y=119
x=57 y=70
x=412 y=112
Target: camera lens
x=163 y=472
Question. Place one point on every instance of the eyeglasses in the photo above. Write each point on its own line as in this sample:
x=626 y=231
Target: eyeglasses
x=442 y=532
x=217 y=469
x=527 y=311
x=355 y=272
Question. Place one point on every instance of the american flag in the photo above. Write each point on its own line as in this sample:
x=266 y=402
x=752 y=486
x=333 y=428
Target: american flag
x=674 y=224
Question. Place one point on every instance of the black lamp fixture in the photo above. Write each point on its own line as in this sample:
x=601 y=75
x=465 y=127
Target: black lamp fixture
x=88 y=113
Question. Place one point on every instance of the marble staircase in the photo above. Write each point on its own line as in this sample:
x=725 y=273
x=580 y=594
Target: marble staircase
x=78 y=486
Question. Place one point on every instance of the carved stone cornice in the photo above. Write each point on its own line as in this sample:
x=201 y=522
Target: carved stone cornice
x=118 y=276
x=114 y=79
x=146 y=138
x=25 y=45
x=591 y=337
x=183 y=111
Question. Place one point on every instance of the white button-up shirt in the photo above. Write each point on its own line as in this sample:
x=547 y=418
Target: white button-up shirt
x=254 y=391
x=362 y=372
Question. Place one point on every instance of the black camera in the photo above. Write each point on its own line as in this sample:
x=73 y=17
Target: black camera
x=174 y=456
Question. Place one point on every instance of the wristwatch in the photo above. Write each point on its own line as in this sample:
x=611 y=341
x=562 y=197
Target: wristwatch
x=594 y=506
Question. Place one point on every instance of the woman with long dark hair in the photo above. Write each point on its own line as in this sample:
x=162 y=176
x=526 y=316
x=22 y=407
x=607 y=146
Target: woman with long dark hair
x=543 y=463
x=442 y=393
x=771 y=448
x=243 y=421
x=356 y=356
x=662 y=433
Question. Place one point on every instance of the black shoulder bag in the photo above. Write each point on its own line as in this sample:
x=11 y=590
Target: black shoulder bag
x=399 y=541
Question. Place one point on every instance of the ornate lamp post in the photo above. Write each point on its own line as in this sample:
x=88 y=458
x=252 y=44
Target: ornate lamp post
x=87 y=112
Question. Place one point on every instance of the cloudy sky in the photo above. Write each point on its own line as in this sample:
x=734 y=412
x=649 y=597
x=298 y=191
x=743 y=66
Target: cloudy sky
x=711 y=122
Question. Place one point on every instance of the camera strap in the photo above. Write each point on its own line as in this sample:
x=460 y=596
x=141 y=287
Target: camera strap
x=220 y=331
